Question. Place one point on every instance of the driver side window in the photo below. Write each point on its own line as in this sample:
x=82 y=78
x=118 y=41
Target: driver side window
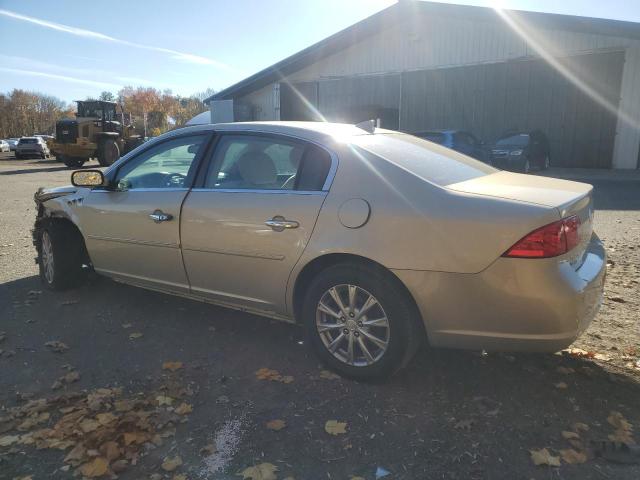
x=166 y=165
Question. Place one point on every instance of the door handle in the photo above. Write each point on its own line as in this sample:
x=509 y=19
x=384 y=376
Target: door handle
x=159 y=216
x=279 y=223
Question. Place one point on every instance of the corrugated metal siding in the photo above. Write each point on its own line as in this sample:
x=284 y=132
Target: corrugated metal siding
x=626 y=153
x=260 y=105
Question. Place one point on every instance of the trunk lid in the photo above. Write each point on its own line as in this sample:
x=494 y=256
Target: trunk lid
x=569 y=198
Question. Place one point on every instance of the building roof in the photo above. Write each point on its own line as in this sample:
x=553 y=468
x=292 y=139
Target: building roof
x=404 y=10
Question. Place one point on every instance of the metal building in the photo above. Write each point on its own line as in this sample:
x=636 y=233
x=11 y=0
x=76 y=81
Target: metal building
x=420 y=65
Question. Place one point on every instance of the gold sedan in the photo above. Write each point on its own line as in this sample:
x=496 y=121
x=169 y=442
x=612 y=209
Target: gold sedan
x=374 y=240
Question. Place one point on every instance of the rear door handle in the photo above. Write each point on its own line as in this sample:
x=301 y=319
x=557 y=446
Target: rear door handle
x=279 y=223
x=159 y=216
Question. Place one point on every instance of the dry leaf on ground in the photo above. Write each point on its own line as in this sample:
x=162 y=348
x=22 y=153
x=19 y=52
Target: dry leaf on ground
x=580 y=427
x=164 y=400
x=169 y=464
x=57 y=346
x=276 y=424
x=333 y=427
x=127 y=325
x=573 y=456
x=543 y=457
x=183 y=409
x=263 y=471
x=560 y=385
x=180 y=476
x=9 y=440
x=135 y=335
x=569 y=435
x=96 y=468
x=273 y=375
x=173 y=366
x=328 y=375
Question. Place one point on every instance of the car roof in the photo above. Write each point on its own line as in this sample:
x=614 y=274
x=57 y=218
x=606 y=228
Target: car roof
x=304 y=130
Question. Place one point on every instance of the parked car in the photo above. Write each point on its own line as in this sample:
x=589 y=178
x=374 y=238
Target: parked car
x=374 y=240
x=4 y=146
x=521 y=151
x=458 y=140
x=32 y=147
x=13 y=143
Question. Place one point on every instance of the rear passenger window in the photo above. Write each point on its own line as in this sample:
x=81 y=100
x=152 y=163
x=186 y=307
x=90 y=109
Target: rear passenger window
x=248 y=162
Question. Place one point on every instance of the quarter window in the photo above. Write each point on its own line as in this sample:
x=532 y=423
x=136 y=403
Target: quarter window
x=167 y=165
x=247 y=162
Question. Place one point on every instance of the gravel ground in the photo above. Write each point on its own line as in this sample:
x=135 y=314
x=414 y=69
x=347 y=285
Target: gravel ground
x=450 y=415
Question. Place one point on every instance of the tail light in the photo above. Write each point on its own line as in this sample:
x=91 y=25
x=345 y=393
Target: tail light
x=551 y=240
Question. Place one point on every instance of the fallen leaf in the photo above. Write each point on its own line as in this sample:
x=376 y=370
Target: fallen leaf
x=328 y=375
x=169 y=464
x=276 y=424
x=179 y=477
x=164 y=400
x=173 y=366
x=135 y=335
x=96 y=468
x=76 y=455
x=263 y=471
x=105 y=418
x=57 y=346
x=134 y=438
x=286 y=379
x=572 y=456
x=9 y=440
x=183 y=409
x=617 y=420
x=561 y=385
x=119 y=466
x=543 y=457
x=581 y=427
x=333 y=427
x=569 y=435
x=110 y=450
x=273 y=375
x=127 y=325
x=89 y=425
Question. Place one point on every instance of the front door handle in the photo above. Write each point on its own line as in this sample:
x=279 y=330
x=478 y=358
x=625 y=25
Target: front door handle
x=279 y=223
x=159 y=216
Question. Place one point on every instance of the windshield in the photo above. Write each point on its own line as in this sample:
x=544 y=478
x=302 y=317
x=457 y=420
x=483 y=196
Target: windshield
x=519 y=140
x=434 y=164
x=28 y=140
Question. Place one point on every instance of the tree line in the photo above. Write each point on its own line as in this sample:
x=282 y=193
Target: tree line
x=24 y=113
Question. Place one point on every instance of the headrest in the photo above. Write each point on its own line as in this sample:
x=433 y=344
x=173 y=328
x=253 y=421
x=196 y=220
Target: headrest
x=257 y=168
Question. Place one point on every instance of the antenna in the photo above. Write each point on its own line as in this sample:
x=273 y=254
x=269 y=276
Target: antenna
x=368 y=126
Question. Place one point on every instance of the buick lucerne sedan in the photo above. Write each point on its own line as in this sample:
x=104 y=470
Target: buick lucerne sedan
x=375 y=241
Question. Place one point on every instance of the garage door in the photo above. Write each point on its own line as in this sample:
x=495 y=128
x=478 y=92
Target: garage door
x=526 y=94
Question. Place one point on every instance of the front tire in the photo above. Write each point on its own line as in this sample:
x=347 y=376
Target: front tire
x=72 y=162
x=60 y=256
x=108 y=152
x=360 y=321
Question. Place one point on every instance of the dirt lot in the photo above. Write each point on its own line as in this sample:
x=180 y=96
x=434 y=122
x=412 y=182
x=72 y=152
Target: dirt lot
x=450 y=415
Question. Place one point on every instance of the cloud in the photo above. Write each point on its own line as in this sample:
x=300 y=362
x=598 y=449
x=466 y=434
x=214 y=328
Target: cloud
x=81 y=32
x=64 y=78
x=17 y=63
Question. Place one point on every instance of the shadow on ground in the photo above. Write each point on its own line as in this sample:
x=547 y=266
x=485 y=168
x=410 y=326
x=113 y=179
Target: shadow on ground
x=451 y=414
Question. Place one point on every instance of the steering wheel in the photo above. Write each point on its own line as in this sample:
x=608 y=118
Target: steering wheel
x=175 y=179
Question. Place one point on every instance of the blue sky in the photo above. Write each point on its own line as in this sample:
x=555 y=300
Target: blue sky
x=73 y=49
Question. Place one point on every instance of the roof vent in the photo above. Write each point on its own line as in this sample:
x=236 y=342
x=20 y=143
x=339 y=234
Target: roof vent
x=368 y=126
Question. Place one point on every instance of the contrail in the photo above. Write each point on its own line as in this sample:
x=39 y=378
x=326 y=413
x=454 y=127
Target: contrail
x=81 y=32
x=33 y=73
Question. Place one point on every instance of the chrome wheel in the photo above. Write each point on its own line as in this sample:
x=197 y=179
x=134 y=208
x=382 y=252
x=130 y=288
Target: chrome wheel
x=352 y=325
x=47 y=257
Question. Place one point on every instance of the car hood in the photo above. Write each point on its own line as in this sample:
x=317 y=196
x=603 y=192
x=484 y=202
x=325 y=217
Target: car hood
x=44 y=194
x=549 y=192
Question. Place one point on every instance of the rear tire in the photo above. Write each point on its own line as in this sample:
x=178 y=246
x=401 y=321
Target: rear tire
x=72 y=162
x=61 y=254
x=108 y=152
x=395 y=341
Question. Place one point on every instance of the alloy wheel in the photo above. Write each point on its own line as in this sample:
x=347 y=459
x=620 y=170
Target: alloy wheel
x=352 y=325
x=47 y=257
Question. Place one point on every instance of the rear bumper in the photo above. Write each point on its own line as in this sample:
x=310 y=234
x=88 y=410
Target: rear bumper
x=537 y=305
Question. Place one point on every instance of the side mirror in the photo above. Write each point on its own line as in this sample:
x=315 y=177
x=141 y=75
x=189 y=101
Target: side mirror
x=87 y=178
x=193 y=148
